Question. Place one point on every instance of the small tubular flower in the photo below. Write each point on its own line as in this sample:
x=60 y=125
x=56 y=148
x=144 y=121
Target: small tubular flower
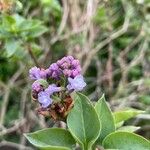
x=36 y=86
x=44 y=99
x=67 y=66
x=76 y=83
x=52 y=89
x=37 y=73
x=54 y=71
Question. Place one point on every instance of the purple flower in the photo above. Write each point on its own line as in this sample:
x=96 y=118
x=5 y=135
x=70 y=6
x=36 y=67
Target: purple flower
x=76 y=84
x=37 y=73
x=44 y=99
x=67 y=66
x=67 y=72
x=52 y=89
x=36 y=86
x=54 y=71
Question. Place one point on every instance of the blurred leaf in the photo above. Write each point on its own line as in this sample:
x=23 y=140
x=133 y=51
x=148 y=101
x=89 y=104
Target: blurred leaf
x=54 y=4
x=19 y=5
x=11 y=46
x=129 y=128
x=101 y=16
x=145 y=99
x=36 y=32
x=8 y=20
x=29 y=25
x=124 y=115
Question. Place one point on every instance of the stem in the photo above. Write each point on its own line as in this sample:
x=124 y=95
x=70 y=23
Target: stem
x=86 y=147
x=32 y=56
x=5 y=104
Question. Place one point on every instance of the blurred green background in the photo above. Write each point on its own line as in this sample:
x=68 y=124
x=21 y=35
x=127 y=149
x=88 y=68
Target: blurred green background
x=111 y=38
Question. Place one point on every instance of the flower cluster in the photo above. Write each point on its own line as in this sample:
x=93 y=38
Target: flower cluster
x=67 y=66
x=53 y=85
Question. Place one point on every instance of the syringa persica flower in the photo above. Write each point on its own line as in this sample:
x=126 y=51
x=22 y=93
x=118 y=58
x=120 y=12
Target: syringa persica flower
x=76 y=84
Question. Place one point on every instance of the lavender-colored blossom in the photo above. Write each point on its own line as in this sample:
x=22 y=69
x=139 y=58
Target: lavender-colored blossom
x=75 y=72
x=36 y=86
x=54 y=71
x=34 y=73
x=37 y=73
x=67 y=66
x=44 y=99
x=76 y=83
x=67 y=72
x=52 y=89
x=70 y=58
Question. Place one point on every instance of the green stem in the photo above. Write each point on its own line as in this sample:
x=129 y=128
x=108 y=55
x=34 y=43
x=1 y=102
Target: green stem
x=87 y=147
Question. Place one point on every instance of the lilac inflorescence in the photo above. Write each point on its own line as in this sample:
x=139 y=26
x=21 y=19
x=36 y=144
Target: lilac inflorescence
x=48 y=81
x=67 y=66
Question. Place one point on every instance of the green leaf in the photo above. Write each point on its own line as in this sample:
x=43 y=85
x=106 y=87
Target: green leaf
x=11 y=46
x=36 y=32
x=83 y=122
x=51 y=139
x=29 y=25
x=126 y=141
x=129 y=128
x=52 y=4
x=124 y=115
x=106 y=118
x=118 y=125
x=8 y=20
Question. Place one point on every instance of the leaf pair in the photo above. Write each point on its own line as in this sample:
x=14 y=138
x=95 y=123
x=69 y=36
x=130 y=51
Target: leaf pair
x=83 y=123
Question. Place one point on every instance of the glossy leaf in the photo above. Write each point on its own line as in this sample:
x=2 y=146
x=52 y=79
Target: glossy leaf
x=83 y=121
x=51 y=139
x=125 y=141
x=106 y=118
x=124 y=115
